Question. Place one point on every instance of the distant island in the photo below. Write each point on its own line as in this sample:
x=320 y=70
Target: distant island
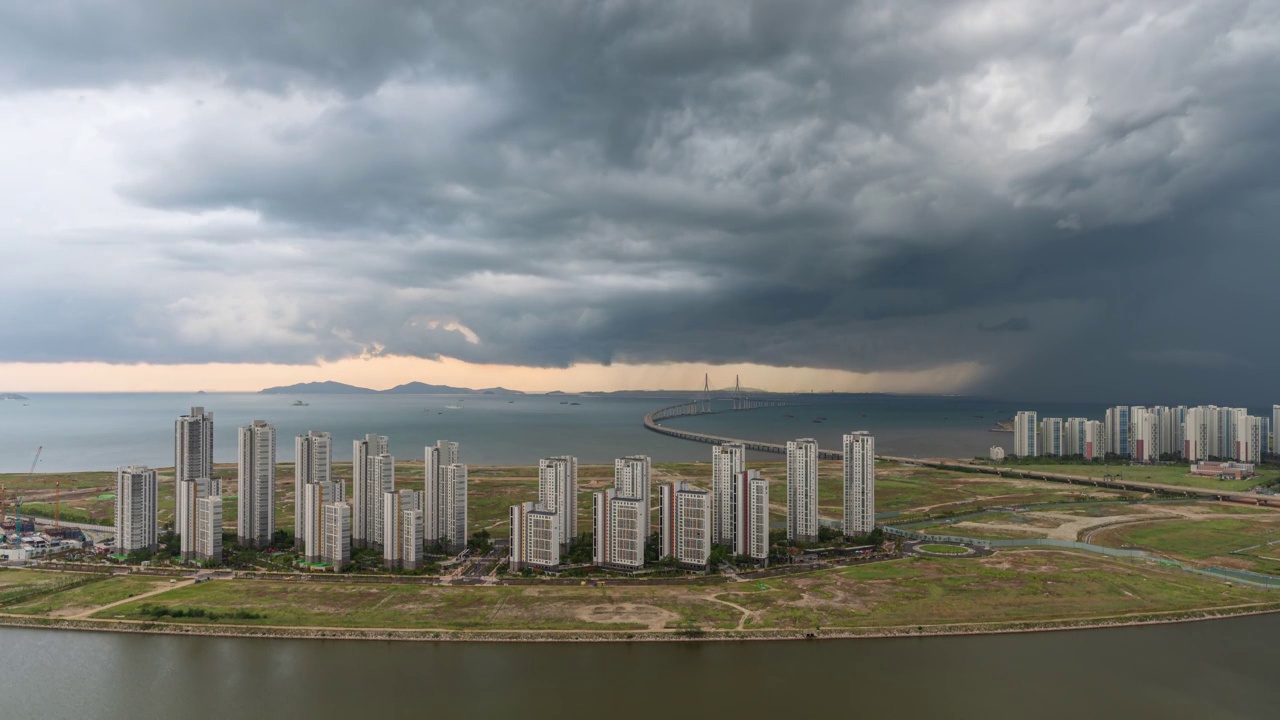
x=413 y=388
x=13 y=396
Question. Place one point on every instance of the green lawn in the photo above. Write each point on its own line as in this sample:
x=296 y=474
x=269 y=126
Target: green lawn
x=1207 y=541
x=943 y=549
x=88 y=596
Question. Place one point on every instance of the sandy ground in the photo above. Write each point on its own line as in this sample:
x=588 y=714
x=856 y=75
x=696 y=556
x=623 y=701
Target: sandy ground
x=1072 y=527
x=654 y=618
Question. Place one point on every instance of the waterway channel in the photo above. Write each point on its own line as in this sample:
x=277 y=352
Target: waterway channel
x=1216 y=669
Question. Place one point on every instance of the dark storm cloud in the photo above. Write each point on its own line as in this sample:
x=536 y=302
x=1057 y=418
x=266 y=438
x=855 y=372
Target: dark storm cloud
x=1014 y=324
x=1071 y=194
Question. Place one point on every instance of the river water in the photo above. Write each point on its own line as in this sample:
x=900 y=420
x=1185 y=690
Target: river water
x=1218 y=669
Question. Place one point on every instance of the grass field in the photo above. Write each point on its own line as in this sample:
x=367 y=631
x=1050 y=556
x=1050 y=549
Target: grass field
x=1009 y=586
x=1208 y=541
x=943 y=549
x=1164 y=474
x=86 y=597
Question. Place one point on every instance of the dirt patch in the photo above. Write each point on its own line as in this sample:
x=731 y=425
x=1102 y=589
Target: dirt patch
x=652 y=617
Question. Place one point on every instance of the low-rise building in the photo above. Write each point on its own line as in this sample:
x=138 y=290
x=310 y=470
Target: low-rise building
x=1223 y=470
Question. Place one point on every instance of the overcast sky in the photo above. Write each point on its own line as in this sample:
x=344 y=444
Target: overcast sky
x=1034 y=199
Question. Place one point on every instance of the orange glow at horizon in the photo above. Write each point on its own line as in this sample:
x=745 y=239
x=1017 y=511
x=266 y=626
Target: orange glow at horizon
x=383 y=372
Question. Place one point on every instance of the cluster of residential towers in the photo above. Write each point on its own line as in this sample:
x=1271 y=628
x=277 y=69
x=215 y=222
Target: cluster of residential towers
x=404 y=523
x=733 y=514
x=327 y=524
x=1146 y=434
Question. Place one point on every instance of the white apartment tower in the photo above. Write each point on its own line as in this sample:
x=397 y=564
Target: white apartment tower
x=366 y=495
x=618 y=522
x=209 y=529
x=1094 y=444
x=631 y=477
x=684 y=524
x=1050 y=437
x=1275 y=429
x=558 y=493
x=751 y=515
x=1073 y=436
x=727 y=461
x=313 y=464
x=382 y=482
x=402 y=530
x=188 y=493
x=257 y=500
x=437 y=512
x=336 y=535
x=192 y=460
x=454 y=535
x=535 y=536
x=1024 y=434
x=317 y=496
x=137 y=491
x=802 y=490
x=859 y=484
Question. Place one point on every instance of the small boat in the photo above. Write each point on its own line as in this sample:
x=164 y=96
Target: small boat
x=790 y=416
x=452 y=407
x=510 y=401
x=299 y=403
x=564 y=402
x=575 y=403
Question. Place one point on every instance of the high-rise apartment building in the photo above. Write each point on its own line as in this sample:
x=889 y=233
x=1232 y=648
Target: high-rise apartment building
x=751 y=515
x=209 y=529
x=257 y=493
x=1143 y=432
x=631 y=478
x=437 y=511
x=187 y=494
x=1073 y=436
x=859 y=484
x=366 y=494
x=727 y=461
x=192 y=460
x=336 y=535
x=558 y=493
x=535 y=536
x=1024 y=434
x=454 y=502
x=684 y=524
x=1094 y=444
x=620 y=530
x=1275 y=429
x=1118 y=430
x=137 y=493
x=313 y=464
x=317 y=496
x=802 y=490
x=382 y=482
x=401 y=530
x=1050 y=437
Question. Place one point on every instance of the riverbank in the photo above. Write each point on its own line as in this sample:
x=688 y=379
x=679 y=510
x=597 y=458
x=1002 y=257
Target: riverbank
x=1010 y=591
x=580 y=636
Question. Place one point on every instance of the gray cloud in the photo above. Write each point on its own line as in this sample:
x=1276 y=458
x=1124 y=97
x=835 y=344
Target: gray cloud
x=859 y=186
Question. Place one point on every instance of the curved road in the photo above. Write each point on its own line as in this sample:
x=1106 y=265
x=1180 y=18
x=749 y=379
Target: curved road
x=652 y=421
